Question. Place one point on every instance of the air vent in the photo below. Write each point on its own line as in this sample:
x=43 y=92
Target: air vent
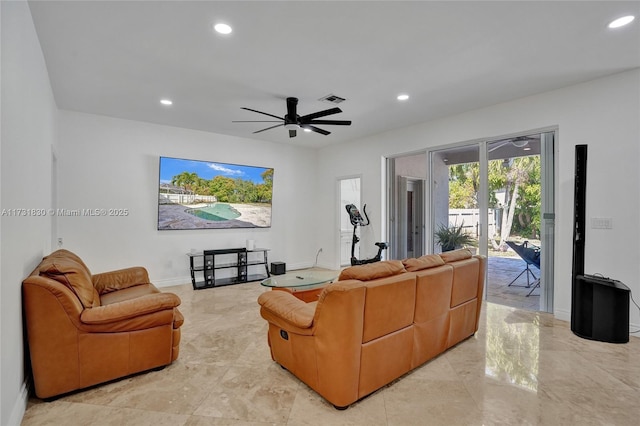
x=332 y=99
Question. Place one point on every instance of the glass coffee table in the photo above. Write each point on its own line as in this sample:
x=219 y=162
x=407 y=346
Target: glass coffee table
x=305 y=285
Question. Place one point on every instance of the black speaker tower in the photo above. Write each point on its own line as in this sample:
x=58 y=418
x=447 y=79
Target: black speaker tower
x=599 y=305
x=579 y=229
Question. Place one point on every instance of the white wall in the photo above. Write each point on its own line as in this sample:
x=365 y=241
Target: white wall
x=603 y=113
x=113 y=163
x=28 y=134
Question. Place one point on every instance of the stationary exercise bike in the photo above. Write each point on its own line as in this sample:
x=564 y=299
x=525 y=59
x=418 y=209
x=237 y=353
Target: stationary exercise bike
x=357 y=220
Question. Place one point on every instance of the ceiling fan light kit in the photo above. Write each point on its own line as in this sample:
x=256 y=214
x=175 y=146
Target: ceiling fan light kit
x=293 y=122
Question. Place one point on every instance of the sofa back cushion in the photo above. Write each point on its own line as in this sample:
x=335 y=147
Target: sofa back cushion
x=72 y=272
x=455 y=255
x=423 y=262
x=389 y=305
x=465 y=280
x=372 y=271
x=62 y=253
x=433 y=292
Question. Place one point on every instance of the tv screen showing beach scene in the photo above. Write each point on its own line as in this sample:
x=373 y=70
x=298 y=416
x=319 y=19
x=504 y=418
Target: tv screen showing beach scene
x=195 y=194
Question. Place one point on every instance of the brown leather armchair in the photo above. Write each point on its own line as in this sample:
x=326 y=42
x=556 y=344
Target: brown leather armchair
x=87 y=329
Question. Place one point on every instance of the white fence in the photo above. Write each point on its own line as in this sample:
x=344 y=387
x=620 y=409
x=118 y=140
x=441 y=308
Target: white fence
x=185 y=198
x=469 y=219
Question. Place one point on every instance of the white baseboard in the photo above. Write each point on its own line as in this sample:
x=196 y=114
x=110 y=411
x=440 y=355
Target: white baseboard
x=562 y=315
x=20 y=406
x=172 y=281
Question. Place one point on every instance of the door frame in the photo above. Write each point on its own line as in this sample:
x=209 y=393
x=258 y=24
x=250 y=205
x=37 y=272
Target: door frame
x=390 y=197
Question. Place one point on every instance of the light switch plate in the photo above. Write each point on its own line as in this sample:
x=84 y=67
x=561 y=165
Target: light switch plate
x=601 y=223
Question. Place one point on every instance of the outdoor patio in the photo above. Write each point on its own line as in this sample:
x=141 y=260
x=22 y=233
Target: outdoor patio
x=501 y=271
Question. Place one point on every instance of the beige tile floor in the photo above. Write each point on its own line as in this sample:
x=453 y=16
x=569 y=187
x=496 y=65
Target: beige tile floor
x=522 y=367
x=501 y=271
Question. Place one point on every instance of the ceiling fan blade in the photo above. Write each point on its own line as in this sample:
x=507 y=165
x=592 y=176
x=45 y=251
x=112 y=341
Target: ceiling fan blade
x=292 y=133
x=255 y=121
x=498 y=146
x=316 y=129
x=333 y=122
x=269 y=128
x=265 y=113
x=307 y=118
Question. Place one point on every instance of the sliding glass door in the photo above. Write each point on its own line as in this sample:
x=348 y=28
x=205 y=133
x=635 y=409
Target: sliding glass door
x=496 y=197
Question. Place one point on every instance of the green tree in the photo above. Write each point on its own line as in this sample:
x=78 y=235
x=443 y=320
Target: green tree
x=223 y=188
x=519 y=178
x=185 y=180
x=463 y=186
x=519 y=175
x=527 y=214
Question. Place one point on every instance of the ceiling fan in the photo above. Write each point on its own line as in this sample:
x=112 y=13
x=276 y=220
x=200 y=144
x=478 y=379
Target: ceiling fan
x=292 y=121
x=519 y=142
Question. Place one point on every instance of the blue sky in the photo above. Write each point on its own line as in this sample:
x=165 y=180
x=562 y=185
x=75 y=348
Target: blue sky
x=169 y=167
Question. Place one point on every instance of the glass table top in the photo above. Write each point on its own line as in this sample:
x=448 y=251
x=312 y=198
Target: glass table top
x=301 y=279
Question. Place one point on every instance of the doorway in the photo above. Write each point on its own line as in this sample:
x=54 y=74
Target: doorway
x=406 y=177
x=410 y=238
x=499 y=193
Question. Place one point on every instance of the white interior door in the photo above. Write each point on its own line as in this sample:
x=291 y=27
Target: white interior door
x=411 y=218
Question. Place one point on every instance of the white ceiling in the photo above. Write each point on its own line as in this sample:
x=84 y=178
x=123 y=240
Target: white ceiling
x=119 y=58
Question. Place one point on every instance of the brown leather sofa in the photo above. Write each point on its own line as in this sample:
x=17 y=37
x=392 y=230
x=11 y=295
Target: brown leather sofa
x=87 y=329
x=376 y=323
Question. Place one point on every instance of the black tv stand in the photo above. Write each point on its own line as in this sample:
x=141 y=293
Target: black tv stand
x=203 y=266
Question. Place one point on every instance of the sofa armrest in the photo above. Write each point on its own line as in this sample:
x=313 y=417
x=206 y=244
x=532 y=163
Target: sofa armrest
x=281 y=306
x=128 y=309
x=107 y=282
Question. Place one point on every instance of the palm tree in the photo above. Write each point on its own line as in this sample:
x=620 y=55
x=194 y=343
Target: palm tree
x=185 y=180
x=517 y=174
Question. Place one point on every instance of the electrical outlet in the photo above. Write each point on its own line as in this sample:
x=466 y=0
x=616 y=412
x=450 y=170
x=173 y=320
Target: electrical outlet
x=59 y=242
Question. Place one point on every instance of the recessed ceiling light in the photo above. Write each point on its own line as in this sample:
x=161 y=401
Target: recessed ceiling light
x=403 y=97
x=621 y=22
x=166 y=102
x=306 y=129
x=222 y=28
x=526 y=148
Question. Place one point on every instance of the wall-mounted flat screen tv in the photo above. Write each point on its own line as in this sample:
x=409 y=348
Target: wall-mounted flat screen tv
x=194 y=194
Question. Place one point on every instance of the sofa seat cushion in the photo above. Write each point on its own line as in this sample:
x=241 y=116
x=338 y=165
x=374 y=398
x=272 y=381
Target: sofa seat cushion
x=455 y=255
x=132 y=292
x=422 y=262
x=72 y=274
x=108 y=282
x=372 y=271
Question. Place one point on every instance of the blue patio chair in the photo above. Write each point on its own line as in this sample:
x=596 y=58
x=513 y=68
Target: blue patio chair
x=531 y=256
